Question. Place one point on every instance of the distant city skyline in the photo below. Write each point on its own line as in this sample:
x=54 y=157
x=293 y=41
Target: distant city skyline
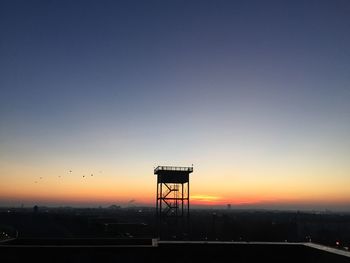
x=254 y=94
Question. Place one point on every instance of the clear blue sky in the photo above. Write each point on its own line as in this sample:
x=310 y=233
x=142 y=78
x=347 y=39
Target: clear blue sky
x=222 y=84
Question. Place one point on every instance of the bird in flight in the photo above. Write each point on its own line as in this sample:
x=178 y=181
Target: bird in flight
x=92 y=175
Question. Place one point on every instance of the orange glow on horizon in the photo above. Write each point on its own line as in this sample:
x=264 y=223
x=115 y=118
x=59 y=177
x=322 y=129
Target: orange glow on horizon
x=109 y=198
x=239 y=188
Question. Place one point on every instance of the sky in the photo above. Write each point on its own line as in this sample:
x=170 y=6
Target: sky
x=254 y=94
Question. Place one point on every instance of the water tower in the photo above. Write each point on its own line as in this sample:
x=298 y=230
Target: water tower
x=173 y=200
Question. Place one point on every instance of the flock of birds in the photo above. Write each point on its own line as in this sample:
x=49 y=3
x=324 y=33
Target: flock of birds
x=69 y=172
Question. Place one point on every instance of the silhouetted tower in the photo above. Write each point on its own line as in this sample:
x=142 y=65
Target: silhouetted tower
x=173 y=200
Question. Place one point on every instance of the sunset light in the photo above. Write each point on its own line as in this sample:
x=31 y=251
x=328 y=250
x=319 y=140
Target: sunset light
x=256 y=100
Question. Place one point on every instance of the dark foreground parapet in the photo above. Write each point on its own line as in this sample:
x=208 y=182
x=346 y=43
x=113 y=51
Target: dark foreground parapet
x=102 y=250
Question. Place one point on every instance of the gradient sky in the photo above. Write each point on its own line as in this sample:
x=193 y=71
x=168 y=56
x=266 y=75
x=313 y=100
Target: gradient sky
x=254 y=94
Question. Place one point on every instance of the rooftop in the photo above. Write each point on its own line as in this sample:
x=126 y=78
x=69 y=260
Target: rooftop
x=152 y=250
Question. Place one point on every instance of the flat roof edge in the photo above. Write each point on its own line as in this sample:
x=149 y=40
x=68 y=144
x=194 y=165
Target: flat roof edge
x=328 y=249
x=307 y=244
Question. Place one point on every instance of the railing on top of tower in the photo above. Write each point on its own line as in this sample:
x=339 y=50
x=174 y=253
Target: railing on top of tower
x=173 y=168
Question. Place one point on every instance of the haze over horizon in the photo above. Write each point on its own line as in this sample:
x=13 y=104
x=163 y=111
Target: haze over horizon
x=254 y=94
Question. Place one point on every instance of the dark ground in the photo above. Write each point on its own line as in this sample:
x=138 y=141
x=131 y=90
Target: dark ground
x=225 y=225
x=172 y=253
x=331 y=229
